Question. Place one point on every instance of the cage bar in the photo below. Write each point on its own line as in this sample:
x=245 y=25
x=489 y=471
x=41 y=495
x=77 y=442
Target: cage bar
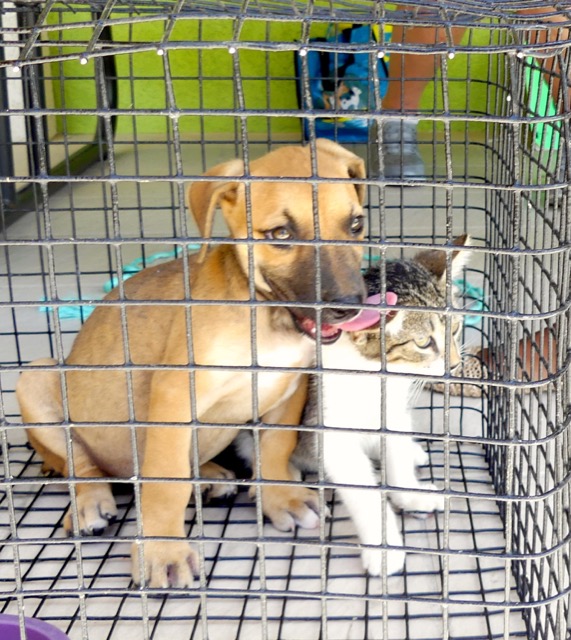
x=109 y=111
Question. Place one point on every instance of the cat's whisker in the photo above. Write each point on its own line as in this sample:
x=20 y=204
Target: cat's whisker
x=469 y=302
x=415 y=390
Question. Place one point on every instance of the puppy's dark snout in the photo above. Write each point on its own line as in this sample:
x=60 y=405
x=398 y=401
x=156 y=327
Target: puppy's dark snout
x=333 y=315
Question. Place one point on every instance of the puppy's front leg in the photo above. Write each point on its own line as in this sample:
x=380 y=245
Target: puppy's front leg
x=286 y=506
x=167 y=455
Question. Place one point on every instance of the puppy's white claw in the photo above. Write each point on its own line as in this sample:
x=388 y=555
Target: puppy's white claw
x=96 y=510
x=308 y=519
x=216 y=490
x=283 y=521
x=290 y=506
x=167 y=564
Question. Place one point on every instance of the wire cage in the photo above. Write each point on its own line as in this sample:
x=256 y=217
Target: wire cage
x=109 y=110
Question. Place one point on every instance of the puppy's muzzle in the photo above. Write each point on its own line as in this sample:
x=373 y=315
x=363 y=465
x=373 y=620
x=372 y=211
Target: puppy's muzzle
x=336 y=315
x=332 y=319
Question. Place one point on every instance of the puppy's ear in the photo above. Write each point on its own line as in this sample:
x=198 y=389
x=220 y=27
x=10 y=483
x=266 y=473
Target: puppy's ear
x=204 y=197
x=355 y=165
x=434 y=260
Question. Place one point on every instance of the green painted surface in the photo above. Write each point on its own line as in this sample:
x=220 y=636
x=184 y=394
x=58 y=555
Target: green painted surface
x=204 y=78
x=466 y=97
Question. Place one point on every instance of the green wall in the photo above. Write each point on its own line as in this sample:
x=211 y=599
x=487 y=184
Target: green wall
x=204 y=78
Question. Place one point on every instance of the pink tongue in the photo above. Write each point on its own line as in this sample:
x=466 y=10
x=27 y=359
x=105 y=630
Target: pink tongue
x=368 y=317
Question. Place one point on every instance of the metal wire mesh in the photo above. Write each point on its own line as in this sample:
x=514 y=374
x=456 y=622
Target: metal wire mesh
x=110 y=110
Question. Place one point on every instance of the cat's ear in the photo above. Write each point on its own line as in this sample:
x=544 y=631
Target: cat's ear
x=434 y=260
x=460 y=258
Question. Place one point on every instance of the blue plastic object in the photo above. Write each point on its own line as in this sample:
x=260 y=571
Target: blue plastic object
x=83 y=311
x=341 y=82
x=65 y=312
x=476 y=296
x=139 y=264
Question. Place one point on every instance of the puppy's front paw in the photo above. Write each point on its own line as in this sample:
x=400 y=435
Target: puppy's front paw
x=167 y=564
x=287 y=507
x=96 y=509
x=420 y=502
x=373 y=561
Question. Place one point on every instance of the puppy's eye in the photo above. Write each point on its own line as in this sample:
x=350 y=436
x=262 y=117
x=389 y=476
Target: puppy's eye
x=279 y=233
x=357 y=225
x=425 y=344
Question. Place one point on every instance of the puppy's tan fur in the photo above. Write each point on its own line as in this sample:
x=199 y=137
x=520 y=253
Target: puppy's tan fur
x=157 y=335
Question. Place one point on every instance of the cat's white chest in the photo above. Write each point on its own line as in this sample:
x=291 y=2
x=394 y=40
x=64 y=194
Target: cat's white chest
x=353 y=398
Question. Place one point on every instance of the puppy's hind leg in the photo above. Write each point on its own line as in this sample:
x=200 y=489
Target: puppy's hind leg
x=40 y=399
x=213 y=490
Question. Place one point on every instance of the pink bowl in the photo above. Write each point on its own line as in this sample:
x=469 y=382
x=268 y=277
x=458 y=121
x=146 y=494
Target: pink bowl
x=35 y=629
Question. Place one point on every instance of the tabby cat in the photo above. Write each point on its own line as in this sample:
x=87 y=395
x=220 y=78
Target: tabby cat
x=415 y=344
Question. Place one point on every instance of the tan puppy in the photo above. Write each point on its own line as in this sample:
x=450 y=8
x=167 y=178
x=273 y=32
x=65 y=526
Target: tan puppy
x=221 y=339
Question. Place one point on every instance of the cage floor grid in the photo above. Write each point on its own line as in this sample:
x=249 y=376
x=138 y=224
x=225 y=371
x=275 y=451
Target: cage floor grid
x=293 y=594
x=295 y=602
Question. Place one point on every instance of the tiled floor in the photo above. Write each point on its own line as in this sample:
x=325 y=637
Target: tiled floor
x=301 y=590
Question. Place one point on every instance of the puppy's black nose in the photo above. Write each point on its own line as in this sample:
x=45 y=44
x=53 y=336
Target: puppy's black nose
x=333 y=315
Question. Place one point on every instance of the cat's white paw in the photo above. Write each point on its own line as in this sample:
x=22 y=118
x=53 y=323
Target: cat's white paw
x=420 y=502
x=373 y=561
x=419 y=455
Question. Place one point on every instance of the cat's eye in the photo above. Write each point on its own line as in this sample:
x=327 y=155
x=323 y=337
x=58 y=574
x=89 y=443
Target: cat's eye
x=425 y=344
x=357 y=225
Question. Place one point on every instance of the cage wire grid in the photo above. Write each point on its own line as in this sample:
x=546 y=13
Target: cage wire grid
x=83 y=200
